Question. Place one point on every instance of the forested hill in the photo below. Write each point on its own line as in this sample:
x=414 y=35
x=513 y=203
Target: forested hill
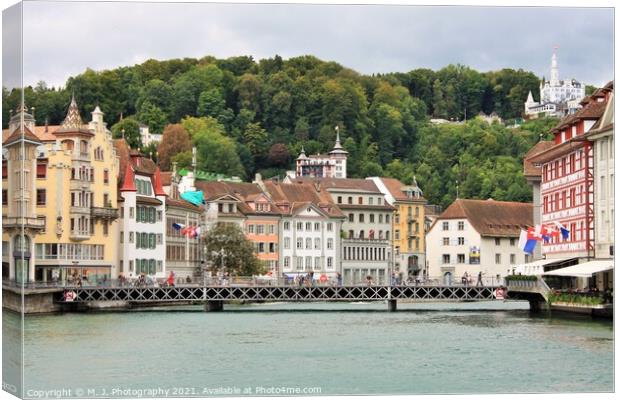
x=259 y=114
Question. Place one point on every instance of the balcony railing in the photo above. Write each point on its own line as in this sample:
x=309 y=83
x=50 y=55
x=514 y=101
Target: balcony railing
x=104 y=212
x=79 y=210
x=79 y=235
x=80 y=156
x=18 y=222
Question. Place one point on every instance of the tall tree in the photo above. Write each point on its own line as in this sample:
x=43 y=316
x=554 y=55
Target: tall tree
x=174 y=140
x=228 y=250
x=129 y=128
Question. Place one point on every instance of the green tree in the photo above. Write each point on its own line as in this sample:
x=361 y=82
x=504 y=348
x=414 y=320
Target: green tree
x=129 y=128
x=228 y=250
x=210 y=103
x=152 y=116
x=175 y=140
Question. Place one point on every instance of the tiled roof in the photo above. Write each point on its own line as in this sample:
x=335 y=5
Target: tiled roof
x=17 y=136
x=529 y=169
x=166 y=178
x=300 y=194
x=490 y=217
x=246 y=192
x=183 y=204
x=394 y=186
x=362 y=185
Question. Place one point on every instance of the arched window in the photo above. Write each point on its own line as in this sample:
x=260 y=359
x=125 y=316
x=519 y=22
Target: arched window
x=21 y=243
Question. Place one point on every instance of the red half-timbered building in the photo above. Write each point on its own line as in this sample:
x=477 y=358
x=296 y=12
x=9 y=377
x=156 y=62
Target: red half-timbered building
x=567 y=184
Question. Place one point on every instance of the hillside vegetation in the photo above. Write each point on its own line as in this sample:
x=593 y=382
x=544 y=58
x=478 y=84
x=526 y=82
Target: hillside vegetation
x=246 y=117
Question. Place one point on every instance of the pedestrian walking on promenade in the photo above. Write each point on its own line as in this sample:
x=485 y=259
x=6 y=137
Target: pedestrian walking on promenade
x=479 y=283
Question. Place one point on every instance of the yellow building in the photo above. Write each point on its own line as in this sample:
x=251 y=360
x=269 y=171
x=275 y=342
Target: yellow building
x=74 y=200
x=408 y=227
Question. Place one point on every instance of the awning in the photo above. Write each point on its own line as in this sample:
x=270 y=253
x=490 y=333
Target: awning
x=585 y=270
x=537 y=267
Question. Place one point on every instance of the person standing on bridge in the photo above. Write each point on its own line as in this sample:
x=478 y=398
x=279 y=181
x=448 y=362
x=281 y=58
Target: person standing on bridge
x=479 y=283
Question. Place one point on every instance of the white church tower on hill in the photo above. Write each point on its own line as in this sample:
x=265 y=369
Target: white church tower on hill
x=330 y=165
x=557 y=97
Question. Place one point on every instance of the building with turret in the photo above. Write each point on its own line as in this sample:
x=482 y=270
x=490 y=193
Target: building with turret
x=330 y=165
x=557 y=97
x=68 y=203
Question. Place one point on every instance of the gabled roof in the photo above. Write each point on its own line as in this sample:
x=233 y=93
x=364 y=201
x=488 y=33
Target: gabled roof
x=358 y=185
x=394 y=186
x=299 y=195
x=17 y=137
x=490 y=217
x=183 y=204
x=242 y=192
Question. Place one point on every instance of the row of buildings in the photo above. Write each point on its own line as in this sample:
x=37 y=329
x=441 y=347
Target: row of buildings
x=77 y=202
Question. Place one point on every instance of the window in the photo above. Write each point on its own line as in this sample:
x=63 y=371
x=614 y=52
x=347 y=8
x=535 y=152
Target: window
x=300 y=243
x=351 y=217
x=387 y=218
x=5 y=200
x=445 y=226
x=300 y=226
x=317 y=226
x=159 y=215
x=360 y=200
x=105 y=228
x=130 y=237
x=460 y=258
x=498 y=258
x=330 y=227
x=461 y=225
x=350 y=200
x=130 y=265
x=41 y=170
x=270 y=229
x=446 y=241
x=330 y=262
x=371 y=218
x=308 y=243
x=287 y=243
x=330 y=243
x=339 y=199
x=317 y=262
x=308 y=262
x=445 y=259
x=131 y=212
x=361 y=218
x=260 y=229
x=160 y=238
x=287 y=262
x=309 y=226
x=317 y=243
x=397 y=234
x=300 y=263
x=461 y=241
x=512 y=241
x=287 y=226
x=41 y=197
x=106 y=176
x=498 y=241
x=513 y=259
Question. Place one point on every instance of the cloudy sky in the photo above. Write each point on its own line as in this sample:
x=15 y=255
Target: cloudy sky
x=62 y=39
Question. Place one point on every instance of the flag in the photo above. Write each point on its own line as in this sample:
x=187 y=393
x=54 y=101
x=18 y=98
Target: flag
x=185 y=230
x=565 y=232
x=197 y=231
x=534 y=233
x=526 y=242
x=195 y=198
x=178 y=227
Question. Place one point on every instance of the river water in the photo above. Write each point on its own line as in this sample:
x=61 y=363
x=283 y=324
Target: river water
x=352 y=348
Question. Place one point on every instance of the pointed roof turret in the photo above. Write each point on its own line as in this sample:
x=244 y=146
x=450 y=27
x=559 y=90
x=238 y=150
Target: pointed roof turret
x=157 y=184
x=73 y=120
x=530 y=98
x=128 y=180
x=302 y=155
x=338 y=149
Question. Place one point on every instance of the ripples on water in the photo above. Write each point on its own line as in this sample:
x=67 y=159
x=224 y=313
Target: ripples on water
x=352 y=349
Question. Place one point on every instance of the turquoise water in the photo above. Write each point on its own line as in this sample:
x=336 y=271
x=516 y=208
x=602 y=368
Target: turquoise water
x=338 y=348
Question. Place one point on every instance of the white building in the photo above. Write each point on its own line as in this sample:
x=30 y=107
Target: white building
x=366 y=231
x=142 y=205
x=477 y=236
x=557 y=97
x=331 y=165
x=147 y=138
x=310 y=225
x=602 y=136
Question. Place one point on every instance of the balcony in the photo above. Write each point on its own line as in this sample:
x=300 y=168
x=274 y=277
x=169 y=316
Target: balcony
x=410 y=219
x=79 y=210
x=80 y=156
x=104 y=212
x=76 y=184
x=27 y=223
x=79 y=235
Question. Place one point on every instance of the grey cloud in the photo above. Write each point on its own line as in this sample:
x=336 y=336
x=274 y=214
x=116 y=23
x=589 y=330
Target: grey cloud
x=62 y=39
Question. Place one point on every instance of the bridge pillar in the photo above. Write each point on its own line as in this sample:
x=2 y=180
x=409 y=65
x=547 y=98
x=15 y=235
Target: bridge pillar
x=214 y=305
x=392 y=305
x=537 y=306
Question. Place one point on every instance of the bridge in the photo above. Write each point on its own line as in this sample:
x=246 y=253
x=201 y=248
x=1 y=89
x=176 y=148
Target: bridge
x=214 y=297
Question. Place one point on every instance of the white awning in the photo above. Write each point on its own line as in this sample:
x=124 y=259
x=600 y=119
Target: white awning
x=585 y=270
x=537 y=267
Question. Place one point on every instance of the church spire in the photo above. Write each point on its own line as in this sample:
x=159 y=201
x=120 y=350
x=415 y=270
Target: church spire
x=337 y=146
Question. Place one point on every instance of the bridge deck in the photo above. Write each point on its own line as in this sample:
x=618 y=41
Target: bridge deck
x=280 y=293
